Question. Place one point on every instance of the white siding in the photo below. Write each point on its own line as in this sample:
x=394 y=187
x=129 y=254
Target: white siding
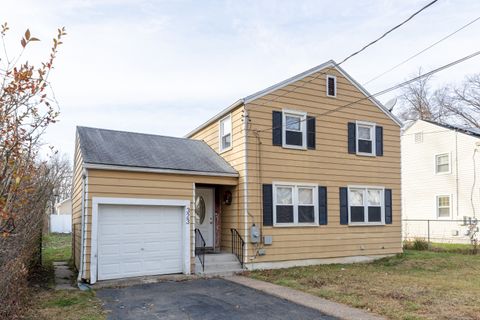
x=421 y=185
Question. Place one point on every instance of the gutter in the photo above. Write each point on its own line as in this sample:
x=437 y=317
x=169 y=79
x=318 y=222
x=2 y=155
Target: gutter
x=155 y=170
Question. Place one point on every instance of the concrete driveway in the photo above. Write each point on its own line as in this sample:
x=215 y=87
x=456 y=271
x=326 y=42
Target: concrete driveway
x=200 y=299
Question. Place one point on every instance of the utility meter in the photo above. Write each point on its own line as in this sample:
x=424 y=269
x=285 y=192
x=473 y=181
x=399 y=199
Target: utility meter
x=254 y=234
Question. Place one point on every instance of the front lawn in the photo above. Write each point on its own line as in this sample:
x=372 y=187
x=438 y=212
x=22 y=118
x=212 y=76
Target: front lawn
x=413 y=285
x=50 y=304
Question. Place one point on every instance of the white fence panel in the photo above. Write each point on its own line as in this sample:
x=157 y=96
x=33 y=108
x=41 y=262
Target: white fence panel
x=61 y=223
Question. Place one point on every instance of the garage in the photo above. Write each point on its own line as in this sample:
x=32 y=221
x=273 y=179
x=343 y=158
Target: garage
x=139 y=240
x=136 y=237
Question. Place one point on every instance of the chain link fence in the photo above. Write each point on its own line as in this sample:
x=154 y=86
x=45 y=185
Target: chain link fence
x=442 y=231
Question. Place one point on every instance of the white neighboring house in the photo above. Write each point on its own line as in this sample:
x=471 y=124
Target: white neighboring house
x=61 y=220
x=440 y=181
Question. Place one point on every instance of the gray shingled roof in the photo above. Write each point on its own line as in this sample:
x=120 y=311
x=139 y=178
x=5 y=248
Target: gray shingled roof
x=120 y=148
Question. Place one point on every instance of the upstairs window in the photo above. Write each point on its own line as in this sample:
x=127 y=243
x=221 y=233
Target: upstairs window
x=366 y=205
x=442 y=163
x=443 y=206
x=331 y=86
x=225 y=133
x=294 y=129
x=365 y=138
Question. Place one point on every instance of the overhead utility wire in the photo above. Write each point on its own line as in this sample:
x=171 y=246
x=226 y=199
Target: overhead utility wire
x=419 y=53
x=389 y=31
x=397 y=86
x=355 y=53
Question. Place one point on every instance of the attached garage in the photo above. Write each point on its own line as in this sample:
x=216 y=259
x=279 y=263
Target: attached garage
x=133 y=197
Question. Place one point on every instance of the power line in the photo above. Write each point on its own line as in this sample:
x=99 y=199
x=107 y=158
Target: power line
x=355 y=53
x=419 y=53
x=397 y=86
x=389 y=31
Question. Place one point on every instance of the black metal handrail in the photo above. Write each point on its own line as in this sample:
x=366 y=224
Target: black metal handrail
x=200 y=245
x=237 y=245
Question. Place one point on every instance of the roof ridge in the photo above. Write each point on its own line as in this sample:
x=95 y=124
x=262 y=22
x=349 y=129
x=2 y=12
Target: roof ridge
x=139 y=133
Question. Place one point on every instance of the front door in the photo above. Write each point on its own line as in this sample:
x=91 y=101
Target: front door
x=204 y=214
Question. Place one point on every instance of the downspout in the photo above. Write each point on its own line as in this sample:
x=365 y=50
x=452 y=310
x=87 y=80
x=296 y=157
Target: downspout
x=245 y=182
x=82 y=229
x=456 y=174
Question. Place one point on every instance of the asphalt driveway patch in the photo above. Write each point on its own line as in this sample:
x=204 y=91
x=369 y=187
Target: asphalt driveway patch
x=202 y=299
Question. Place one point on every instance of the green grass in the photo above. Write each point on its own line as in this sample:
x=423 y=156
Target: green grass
x=50 y=304
x=413 y=285
x=56 y=247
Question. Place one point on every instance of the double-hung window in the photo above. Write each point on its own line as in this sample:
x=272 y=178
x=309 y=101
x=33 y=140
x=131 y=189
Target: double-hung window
x=295 y=205
x=443 y=206
x=365 y=138
x=294 y=129
x=366 y=205
x=225 y=134
x=442 y=163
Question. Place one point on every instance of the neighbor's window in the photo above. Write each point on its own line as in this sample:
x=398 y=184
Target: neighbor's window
x=366 y=205
x=295 y=205
x=365 y=138
x=225 y=133
x=443 y=206
x=331 y=86
x=442 y=163
x=294 y=129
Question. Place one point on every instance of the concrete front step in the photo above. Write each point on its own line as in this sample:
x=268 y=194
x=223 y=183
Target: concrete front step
x=218 y=264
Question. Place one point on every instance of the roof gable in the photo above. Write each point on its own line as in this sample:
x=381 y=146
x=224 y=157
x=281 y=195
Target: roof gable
x=468 y=131
x=298 y=77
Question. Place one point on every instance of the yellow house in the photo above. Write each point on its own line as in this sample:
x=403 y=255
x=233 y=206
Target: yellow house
x=304 y=172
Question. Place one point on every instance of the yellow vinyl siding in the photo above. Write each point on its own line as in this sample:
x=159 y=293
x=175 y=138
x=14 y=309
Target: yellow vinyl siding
x=232 y=216
x=77 y=204
x=328 y=165
x=124 y=184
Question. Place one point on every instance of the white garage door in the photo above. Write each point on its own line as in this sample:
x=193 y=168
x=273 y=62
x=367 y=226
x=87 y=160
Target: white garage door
x=138 y=240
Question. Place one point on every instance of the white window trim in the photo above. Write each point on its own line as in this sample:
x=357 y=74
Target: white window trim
x=335 y=85
x=449 y=163
x=373 y=136
x=382 y=222
x=303 y=128
x=220 y=147
x=437 y=207
x=295 y=187
x=96 y=201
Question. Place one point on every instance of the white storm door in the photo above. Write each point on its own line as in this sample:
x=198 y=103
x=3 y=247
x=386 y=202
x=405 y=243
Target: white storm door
x=204 y=214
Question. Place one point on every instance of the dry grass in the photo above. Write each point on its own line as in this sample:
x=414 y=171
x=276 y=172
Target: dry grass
x=414 y=285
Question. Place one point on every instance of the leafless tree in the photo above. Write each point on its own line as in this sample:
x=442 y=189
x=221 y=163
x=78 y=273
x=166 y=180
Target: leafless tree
x=420 y=101
x=463 y=102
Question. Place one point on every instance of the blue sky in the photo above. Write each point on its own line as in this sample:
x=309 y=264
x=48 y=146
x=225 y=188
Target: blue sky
x=164 y=67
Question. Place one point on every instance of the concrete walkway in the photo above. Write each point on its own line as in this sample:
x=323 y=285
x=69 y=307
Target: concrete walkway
x=334 y=309
x=63 y=276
